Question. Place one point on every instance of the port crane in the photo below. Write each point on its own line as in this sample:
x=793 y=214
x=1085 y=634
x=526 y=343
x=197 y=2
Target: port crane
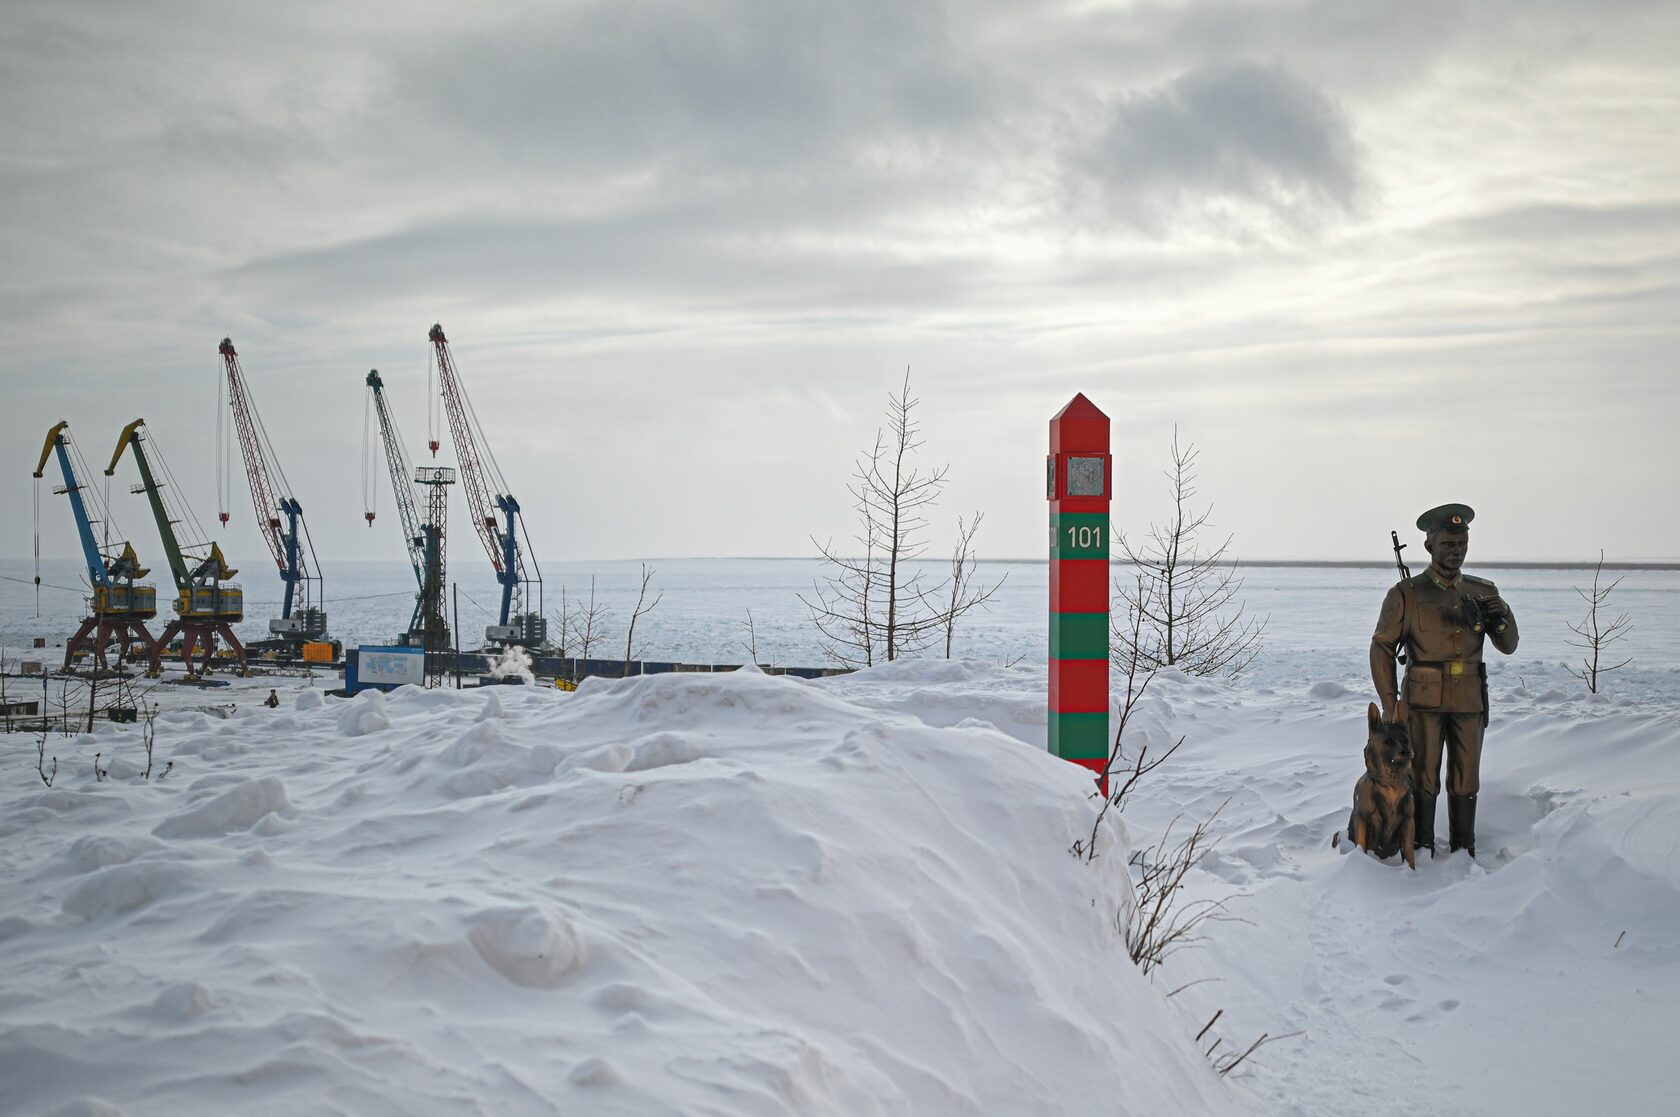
x=423 y=540
x=520 y=620
x=280 y=520
x=207 y=603
x=119 y=607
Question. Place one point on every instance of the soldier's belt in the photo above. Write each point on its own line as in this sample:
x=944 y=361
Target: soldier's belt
x=1453 y=666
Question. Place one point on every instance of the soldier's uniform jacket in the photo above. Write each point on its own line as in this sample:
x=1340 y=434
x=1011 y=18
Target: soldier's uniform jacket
x=1444 y=668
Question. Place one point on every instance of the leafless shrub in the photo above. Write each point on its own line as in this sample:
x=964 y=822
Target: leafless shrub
x=1138 y=674
x=41 y=759
x=1163 y=922
x=1230 y=1061
x=148 y=737
x=1594 y=636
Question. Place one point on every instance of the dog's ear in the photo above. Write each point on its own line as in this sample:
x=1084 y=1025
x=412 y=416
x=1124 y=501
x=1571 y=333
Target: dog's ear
x=1373 y=717
x=1400 y=712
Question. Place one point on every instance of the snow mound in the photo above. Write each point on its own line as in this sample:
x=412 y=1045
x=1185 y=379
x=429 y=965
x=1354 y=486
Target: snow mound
x=365 y=714
x=729 y=893
x=528 y=945
x=238 y=808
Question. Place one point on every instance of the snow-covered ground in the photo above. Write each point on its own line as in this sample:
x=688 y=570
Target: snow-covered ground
x=738 y=894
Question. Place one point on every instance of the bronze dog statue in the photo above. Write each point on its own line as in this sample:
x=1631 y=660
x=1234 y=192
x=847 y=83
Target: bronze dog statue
x=1382 y=821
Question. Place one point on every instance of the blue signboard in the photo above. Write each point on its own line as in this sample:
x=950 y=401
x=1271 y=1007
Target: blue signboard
x=384 y=667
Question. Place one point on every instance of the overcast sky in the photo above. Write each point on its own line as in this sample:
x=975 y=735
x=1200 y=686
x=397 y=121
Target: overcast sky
x=1368 y=256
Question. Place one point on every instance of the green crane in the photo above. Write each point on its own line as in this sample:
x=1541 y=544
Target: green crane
x=207 y=605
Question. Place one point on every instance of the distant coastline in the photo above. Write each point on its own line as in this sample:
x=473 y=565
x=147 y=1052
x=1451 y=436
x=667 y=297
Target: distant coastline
x=1283 y=564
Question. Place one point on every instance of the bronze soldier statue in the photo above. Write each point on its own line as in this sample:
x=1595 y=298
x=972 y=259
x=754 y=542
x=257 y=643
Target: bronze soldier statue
x=1438 y=620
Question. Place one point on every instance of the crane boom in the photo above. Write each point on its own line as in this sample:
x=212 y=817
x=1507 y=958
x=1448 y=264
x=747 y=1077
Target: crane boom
x=500 y=543
x=272 y=502
x=396 y=460
x=178 y=568
x=468 y=457
x=59 y=441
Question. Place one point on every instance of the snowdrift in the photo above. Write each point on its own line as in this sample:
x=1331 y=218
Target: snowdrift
x=698 y=894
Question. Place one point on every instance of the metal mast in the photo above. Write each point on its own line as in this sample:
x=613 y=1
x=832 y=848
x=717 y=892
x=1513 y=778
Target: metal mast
x=518 y=622
x=279 y=515
x=433 y=629
x=205 y=603
x=118 y=609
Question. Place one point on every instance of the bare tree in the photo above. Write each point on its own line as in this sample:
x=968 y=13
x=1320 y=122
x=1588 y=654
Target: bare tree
x=1594 y=636
x=876 y=608
x=638 y=613
x=591 y=619
x=964 y=593
x=750 y=646
x=564 y=624
x=1185 y=599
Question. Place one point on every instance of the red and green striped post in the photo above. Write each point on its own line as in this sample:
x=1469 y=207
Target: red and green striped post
x=1080 y=474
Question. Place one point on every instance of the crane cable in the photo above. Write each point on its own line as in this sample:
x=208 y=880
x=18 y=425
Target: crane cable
x=37 y=548
x=223 y=483
x=434 y=405
x=370 y=491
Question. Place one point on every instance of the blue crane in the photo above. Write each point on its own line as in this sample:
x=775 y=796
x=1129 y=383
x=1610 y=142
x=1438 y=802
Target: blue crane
x=118 y=609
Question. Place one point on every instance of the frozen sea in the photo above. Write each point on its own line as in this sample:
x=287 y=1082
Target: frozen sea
x=1318 y=627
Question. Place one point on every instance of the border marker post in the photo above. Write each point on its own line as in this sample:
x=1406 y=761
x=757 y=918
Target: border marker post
x=1079 y=474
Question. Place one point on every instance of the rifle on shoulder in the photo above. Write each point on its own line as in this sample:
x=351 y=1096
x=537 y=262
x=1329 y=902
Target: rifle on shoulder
x=1405 y=576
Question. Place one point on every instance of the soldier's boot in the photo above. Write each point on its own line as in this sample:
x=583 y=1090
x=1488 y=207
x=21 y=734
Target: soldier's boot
x=1461 y=823
x=1423 y=809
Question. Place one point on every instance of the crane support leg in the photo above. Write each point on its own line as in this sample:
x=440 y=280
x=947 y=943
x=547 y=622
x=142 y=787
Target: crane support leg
x=80 y=640
x=233 y=642
x=126 y=632
x=170 y=631
x=189 y=643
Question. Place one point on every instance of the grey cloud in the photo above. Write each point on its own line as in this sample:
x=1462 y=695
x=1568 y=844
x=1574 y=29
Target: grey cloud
x=734 y=86
x=1255 y=136
x=1555 y=221
x=672 y=257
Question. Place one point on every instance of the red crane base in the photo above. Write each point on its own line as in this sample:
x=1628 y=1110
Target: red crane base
x=196 y=634
x=104 y=629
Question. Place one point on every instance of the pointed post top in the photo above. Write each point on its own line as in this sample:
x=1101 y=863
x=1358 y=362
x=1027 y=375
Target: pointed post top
x=1079 y=407
x=1081 y=426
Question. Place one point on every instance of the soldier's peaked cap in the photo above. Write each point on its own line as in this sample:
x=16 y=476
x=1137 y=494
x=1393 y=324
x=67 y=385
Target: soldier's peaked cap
x=1446 y=516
